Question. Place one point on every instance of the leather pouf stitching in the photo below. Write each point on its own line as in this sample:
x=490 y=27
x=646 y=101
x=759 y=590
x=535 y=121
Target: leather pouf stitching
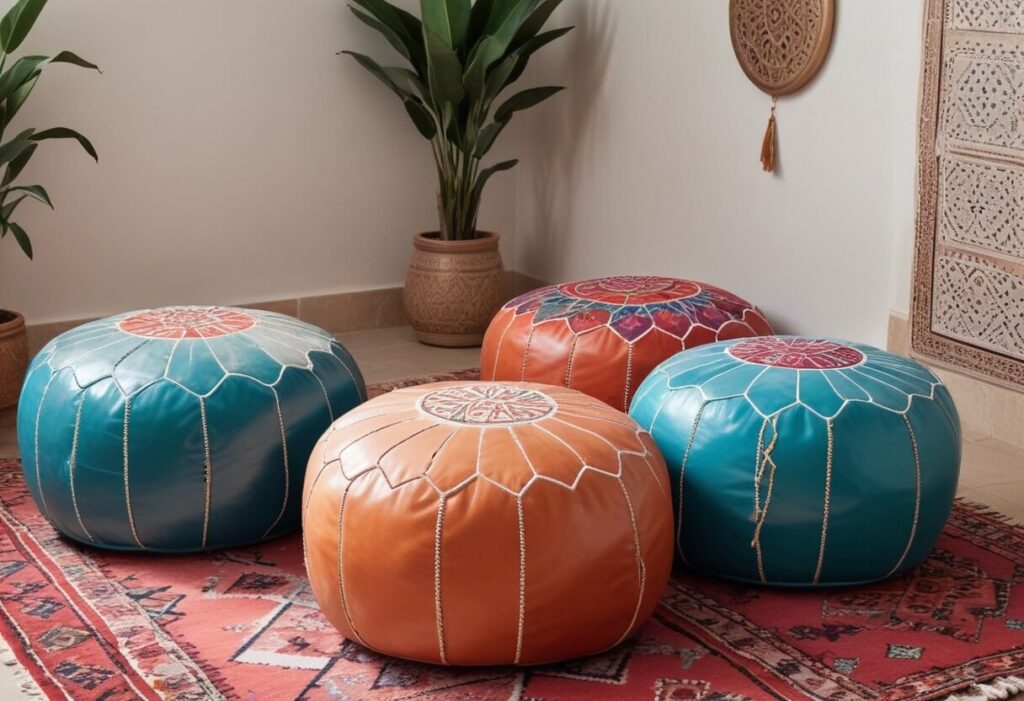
x=473 y=523
x=604 y=336
x=803 y=461
x=180 y=429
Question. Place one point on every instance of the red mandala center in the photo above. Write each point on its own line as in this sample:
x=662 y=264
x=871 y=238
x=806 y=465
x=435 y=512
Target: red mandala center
x=186 y=322
x=631 y=289
x=796 y=353
x=474 y=405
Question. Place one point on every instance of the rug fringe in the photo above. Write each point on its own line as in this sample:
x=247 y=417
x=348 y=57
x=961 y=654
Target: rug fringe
x=26 y=684
x=997 y=690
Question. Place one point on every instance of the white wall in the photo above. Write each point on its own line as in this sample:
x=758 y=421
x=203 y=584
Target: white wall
x=649 y=164
x=240 y=160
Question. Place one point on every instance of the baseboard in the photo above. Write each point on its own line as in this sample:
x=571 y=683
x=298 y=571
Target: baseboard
x=986 y=409
x=342 y=312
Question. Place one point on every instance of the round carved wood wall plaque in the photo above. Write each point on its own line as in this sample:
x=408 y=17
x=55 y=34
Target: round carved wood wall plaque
x=781 y=44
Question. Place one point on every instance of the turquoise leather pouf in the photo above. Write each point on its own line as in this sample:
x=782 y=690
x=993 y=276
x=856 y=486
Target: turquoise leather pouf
x=180 y=429
x=803 y=461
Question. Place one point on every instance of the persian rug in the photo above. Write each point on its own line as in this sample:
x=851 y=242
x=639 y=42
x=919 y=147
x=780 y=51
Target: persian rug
x=968 y=295
x=242 y=624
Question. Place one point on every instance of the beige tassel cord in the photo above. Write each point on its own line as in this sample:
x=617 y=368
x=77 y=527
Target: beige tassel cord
x=768 y=145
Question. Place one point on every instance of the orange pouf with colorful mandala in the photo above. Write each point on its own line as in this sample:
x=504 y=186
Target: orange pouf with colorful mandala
x=604 y=336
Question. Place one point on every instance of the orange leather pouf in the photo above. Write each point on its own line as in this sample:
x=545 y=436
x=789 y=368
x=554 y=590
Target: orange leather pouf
x=475 y=523
x=604 y=336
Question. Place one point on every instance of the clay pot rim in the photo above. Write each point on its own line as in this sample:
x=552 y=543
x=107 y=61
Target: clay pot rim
x=12 y=327
x=431 y=242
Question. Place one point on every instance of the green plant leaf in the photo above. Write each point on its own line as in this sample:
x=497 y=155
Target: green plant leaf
x=486 y=139
x=498 y=78
x=506 y=30
x=524 y=100
x=484 y=54
x=377 y=71
x=15 y=25
x=34 y=191
x=15 y=146
x=444 y=70
x=24 y=75
x=534 y=22
x=391 y=35
x=501 y=10
x=404 y=25
x=16 y=99
x=407 y=81
x=526 y=50
x=479 y=14
x=65 y=133
x=422 y=118
x=22 y=238
x=18 y=164
x=484 y=175
x=449 y=19
x=8 y=209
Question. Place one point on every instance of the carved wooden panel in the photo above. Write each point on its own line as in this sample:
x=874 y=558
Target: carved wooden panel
x=780 y=44
x=968 y=309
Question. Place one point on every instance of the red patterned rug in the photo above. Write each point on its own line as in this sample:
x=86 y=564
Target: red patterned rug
x=241 y=624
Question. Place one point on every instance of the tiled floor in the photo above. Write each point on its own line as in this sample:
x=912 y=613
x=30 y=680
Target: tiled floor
x=992 y=472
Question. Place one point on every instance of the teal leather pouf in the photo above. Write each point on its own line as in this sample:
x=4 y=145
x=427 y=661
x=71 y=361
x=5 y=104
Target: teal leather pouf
x=803 y=461
x=180 y=429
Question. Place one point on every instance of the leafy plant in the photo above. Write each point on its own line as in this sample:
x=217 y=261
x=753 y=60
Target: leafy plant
x=461 y=57
x=16 y=83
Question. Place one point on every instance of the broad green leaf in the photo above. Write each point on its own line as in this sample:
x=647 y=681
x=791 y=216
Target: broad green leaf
x=485 y=175
x=506 y=30
x=8 y=209
x=377 y=70
x=18 y=164
x=65 y=133
x=27 y=68
x=407 y=81
x=34 y=191
x=449 y=19
x=21 y=71
x=500 y=11
x=526 y=50
x=15 y=25
x=15 y=146
x=444 y=70
x=22 y=238
x=13 y=103
x=393 y=38
x=534 y=22
x=405 y=26
x=499 y=76
x=486 y=139
x=485 y=53
x=422 y=118
x=524 y=100
x=479 y=14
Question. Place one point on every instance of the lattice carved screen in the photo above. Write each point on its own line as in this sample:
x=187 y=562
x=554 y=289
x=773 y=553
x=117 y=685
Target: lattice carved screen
x=968 y=309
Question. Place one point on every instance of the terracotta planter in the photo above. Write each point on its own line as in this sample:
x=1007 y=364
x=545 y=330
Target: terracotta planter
x=13 y=356
x=453 y=289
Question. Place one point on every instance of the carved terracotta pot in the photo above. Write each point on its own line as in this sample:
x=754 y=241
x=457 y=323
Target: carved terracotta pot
x=13 y=356
x=453 y=288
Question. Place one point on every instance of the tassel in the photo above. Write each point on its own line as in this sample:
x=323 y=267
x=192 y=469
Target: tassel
x=768 y=145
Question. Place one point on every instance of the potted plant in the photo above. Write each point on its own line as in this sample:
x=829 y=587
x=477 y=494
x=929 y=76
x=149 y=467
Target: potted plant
x=461 y=57
x=16 y=83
